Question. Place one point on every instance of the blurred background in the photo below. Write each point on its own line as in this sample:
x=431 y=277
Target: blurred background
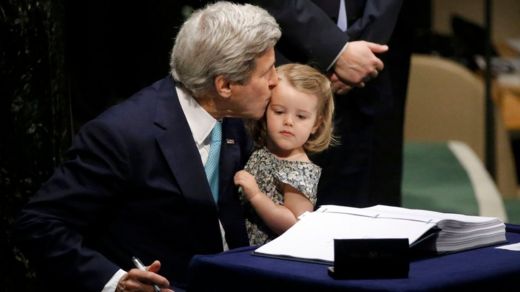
x=64 y=62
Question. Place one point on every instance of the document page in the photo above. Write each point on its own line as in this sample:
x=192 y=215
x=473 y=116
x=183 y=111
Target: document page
x=312 y=238
x=445 y=221
x=457 y=231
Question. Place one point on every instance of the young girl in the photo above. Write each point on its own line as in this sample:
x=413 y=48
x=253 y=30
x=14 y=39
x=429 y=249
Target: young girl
x=279 y=182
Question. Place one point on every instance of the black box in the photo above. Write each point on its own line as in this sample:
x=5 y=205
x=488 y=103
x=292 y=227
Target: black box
x=370 y=258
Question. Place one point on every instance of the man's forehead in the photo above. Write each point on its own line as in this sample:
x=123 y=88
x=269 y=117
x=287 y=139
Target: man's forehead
x=266 y=60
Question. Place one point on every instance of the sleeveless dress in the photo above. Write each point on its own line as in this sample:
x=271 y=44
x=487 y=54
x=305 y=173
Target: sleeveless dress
x=271 y=173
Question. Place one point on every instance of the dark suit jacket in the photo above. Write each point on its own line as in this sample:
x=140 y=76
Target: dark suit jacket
x=309 y=35
x=134 y=186
x=366 y=168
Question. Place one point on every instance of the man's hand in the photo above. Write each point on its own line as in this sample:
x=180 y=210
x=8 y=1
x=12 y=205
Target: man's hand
x=337 y=86
x=358 y=63
x=137 y=280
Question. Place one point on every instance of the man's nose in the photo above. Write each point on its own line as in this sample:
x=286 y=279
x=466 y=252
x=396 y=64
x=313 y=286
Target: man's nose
x=273 y=81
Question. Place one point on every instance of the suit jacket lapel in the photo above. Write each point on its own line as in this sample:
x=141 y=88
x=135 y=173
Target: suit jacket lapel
x=227 y=158
x=177 y=144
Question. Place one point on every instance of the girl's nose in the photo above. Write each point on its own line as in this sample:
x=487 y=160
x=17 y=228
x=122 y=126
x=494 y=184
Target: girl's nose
x=288 y=120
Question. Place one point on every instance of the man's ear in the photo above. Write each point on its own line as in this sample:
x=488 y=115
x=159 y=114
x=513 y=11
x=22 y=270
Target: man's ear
x=222 y=86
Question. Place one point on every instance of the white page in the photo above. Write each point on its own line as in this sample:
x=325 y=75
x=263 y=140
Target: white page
x=313 y=236
x=513 y=246
x=426 y=215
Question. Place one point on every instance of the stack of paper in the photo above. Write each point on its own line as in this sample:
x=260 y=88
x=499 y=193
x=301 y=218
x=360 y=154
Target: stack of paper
x=312 y=237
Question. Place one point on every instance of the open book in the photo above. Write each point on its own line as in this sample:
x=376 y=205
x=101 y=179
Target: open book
x=312 y=237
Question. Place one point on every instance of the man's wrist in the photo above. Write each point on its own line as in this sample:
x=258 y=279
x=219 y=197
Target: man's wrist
x=330 y=67
x=111 y=285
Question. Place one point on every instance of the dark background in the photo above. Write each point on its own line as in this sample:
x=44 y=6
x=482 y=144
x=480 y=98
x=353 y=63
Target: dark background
x=64 y=62
x=61 y=64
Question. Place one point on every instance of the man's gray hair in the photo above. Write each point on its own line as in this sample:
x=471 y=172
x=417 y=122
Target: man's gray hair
x=221 y=39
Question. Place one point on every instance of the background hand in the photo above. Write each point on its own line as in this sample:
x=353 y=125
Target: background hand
x=337 y=86
x=359 y=62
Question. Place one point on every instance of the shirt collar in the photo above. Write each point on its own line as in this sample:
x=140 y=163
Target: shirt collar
x=200 y=121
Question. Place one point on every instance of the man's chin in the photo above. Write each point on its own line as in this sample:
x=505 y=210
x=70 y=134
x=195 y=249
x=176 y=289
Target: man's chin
x=256 y=116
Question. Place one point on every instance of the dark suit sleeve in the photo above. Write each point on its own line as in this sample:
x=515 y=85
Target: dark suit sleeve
x=377 y=21
x=52 y=228
x=308 y=34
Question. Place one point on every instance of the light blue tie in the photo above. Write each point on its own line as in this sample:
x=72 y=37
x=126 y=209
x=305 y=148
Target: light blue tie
x=212 y=164
x=342 y=16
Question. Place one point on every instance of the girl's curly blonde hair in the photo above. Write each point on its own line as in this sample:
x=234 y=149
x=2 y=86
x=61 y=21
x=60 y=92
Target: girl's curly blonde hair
x=309 y=80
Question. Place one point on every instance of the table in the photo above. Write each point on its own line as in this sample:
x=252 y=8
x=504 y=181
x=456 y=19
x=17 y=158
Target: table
x=481 y=269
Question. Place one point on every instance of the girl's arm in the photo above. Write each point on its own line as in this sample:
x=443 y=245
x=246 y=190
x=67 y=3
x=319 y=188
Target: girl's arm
x=277 y=217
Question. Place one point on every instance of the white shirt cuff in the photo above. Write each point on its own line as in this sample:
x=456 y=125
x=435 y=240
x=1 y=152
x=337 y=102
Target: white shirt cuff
x=111 y=285
x=337 y=57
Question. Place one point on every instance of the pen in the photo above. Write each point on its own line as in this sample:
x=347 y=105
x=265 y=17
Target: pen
x=138 y=264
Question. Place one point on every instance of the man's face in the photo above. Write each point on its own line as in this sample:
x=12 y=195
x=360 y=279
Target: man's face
x=251 y=99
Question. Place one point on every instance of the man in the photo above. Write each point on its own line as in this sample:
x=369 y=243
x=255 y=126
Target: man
x=342 y=37
x=135 y=183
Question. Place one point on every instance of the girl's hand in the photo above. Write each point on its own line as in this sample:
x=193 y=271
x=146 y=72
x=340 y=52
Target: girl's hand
x=248 y=183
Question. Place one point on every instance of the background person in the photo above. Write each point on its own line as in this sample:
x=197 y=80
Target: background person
x=366 y=167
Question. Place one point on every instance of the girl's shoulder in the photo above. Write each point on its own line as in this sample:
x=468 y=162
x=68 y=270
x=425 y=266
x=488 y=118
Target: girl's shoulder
x=262 y=154
x=302 y=175
x=260 y=159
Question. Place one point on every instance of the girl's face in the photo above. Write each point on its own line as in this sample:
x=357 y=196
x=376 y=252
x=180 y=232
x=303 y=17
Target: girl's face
x=291 y=118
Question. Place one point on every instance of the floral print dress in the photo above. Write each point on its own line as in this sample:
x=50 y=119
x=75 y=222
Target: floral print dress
x=271 y=173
